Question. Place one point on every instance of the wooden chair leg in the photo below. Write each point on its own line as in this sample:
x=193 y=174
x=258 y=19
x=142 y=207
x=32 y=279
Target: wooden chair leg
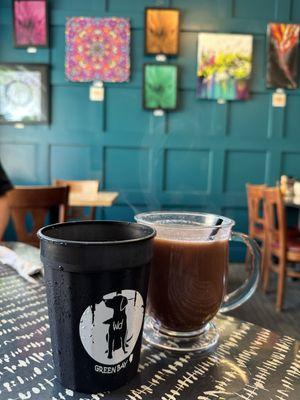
x=280 y=284
x=266 y=262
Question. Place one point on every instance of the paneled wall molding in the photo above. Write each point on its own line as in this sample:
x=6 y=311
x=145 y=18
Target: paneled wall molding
x=219 y=119
x=198 y=157
x=276 y=121
x=283 y=10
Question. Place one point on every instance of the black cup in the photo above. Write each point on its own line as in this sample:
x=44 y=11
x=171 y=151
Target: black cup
x=96 y=275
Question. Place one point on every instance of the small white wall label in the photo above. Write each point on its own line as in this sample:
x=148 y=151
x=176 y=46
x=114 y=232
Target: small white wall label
x=161 y=58
x=97 y=91
x=31 y=50
x=158 y=113
x=279 y=98
x=19 y=125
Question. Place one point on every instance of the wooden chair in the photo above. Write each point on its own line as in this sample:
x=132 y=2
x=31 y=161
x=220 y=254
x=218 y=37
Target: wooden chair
x=39 y=201
x=84 y=186
x=281 y=244
x=255 y=198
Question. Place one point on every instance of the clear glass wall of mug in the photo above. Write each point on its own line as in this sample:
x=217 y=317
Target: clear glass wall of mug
x=188 y=278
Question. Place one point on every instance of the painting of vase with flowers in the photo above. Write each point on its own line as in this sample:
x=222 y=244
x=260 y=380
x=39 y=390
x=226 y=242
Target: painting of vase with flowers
x=224 y=66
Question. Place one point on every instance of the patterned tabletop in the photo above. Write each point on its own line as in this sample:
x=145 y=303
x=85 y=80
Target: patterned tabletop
x=249 y=363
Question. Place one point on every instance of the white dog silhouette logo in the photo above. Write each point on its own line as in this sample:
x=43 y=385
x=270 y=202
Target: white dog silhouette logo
x=109 y=329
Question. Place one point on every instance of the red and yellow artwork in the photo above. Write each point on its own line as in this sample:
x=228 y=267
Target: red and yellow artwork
x=282 y=68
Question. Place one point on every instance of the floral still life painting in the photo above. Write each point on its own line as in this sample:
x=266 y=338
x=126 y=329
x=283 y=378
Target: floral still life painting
x=224 y=66
x=282 y=64
x=30 y=23
x=160 y=87
x=161 y=31
x=97 y=49
x=23 y=93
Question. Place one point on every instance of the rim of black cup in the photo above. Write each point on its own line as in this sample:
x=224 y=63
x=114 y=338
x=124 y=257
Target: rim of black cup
x=150 y=232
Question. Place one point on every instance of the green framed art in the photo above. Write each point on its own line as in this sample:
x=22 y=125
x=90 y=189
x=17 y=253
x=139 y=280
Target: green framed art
x=160 y=87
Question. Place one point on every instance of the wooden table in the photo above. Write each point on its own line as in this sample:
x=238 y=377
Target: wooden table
x=250 y=363
x=101 y=199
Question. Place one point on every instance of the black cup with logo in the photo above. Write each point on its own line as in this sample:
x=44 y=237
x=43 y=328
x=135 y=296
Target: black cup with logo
x=96 y=275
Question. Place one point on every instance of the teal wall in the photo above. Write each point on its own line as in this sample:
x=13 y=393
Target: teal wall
x=198 y=158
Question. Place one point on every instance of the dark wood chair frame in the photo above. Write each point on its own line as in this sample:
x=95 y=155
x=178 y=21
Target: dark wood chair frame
x=38 y=201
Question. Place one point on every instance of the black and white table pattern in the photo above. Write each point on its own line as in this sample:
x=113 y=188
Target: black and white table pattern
x=249 y=363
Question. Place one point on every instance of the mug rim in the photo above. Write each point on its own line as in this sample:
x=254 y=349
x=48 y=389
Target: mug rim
x=226 y=222
x=43 y=236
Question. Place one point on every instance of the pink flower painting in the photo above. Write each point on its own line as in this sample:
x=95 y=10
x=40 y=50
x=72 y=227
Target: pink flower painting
x=30 y=23
x=97 y=49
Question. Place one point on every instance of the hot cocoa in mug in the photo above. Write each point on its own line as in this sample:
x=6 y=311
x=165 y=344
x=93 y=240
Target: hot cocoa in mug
x=188 y=278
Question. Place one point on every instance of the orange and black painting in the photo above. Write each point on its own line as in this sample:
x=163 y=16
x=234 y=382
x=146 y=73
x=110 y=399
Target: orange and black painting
x=283 y=49
x=161 y=31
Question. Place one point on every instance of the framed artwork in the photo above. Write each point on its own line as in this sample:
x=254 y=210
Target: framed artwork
x=30 y=23
x=162 y=31
x=97 y=49
x=224 y=66
x=24 y=93
x=282 y=64
x=160 y=87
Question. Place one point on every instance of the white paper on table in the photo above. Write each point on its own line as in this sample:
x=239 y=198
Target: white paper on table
x=23 y=267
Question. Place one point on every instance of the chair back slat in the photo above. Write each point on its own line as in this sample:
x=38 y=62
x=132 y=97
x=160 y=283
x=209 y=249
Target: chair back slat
x=36 y=201
x=255 y=197
x=275 y=218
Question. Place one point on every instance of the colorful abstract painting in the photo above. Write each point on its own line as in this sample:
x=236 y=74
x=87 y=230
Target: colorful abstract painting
x=23 y=93
x=30 y=23
x=161 y=31
x=224 y=66
x=97 y=49
x=160 y=86
x=282 y=66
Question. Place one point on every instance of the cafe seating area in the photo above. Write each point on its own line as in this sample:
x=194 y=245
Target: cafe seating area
x=279 y=239
x=268 y=225
x=149 y=200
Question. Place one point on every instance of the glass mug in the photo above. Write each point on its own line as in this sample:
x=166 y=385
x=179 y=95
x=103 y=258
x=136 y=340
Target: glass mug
x=188 y=278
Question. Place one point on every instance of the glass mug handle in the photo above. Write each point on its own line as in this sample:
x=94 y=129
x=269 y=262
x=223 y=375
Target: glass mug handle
x=246 y=290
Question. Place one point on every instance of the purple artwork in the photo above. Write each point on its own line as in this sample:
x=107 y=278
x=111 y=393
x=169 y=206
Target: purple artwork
x=97 y=49
x=30 y=23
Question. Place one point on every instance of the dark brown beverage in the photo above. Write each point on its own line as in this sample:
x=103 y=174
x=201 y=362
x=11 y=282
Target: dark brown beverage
x=187 y=282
